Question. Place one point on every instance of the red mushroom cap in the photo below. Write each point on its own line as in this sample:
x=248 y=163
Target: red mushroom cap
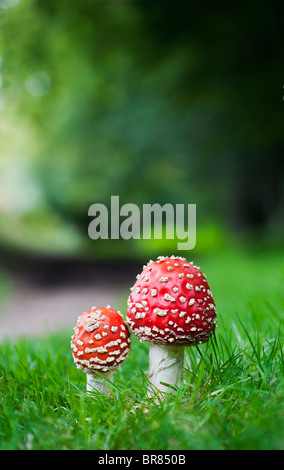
x=101 y=340
x=171 y=302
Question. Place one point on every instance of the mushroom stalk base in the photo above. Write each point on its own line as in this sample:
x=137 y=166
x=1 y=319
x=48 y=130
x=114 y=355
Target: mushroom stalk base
x=165 y=365
x=98 y=383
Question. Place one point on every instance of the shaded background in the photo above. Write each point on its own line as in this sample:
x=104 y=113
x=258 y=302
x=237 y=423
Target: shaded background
x=157 y=102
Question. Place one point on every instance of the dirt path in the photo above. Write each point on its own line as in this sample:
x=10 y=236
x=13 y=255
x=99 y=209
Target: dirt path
x=47 y=293
x=31 y=310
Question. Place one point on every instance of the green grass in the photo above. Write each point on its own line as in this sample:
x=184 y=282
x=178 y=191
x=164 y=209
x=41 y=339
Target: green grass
x=231 y=396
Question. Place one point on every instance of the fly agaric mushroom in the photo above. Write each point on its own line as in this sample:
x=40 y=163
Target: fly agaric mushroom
x=101 y=342
x=171 y=306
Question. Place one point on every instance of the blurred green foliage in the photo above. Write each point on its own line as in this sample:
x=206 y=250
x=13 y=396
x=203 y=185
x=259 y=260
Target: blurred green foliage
x=154 y=102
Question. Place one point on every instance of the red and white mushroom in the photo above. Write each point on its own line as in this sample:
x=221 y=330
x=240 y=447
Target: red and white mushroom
x=101 y=342
x=171 y=306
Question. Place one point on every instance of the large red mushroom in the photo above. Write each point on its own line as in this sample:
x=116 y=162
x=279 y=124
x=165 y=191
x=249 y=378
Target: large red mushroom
x=171 y=306
x=101 y=342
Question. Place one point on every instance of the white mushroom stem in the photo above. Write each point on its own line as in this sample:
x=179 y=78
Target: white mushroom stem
x=99 y=383
x=165 y=365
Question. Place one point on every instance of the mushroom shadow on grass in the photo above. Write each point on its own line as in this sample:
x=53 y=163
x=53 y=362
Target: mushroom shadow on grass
x=171 y=306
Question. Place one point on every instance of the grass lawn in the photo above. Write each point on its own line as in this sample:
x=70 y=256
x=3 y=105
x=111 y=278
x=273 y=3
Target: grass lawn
x=231 y=396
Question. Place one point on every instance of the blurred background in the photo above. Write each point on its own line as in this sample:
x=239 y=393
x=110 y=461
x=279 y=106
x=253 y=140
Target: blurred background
x=157 y=102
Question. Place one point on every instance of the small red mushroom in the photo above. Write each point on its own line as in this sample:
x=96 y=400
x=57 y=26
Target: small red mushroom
x=101 y=342
x=171 y=306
